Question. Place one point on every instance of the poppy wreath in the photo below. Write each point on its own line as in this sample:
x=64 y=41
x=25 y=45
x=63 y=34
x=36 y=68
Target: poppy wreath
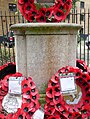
x=8 y=68
x=30 y=98
x=56 y=13
x=82 y=65
x=56 y=107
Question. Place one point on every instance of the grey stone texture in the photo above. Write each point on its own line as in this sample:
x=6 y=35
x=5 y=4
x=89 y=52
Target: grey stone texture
x=43 y=48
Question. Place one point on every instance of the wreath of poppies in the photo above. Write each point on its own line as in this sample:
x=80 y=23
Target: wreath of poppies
x=82 y=65
x=8 y=68
x=30 y=98
x=56 y=13
x=56 y=107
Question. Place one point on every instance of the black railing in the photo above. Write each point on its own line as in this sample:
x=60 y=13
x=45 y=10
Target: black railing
x=7 y=52
x=82 y=17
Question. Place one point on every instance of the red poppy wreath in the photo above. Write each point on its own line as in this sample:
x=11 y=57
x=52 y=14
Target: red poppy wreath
x=30 y=98
x=8 y=68
x=56 y=107
x=55 y=13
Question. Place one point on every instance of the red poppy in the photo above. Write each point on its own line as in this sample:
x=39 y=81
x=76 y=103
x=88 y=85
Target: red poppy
x=43 y=10
x=1 y=97
x=9 y=116
x=54 y=79
x=2 y=93
x=37 y=105
x=86 y=111
x=28 y=7
x=86 y=100
x=30 y=113
x=32 y=84
x=88 y=81
x=34 y=91
x=24 y=111
x=21 y=2
x=64 y=1
x=78 y=106
x=56 y=113
x=61 y=71
x=24 y=100
x=85 y=88
x=54 y=117
x=33 y=109
x=59 y=107
x=59 y=5
x=66 y=114
x=2 y=116
x=49 y=110
x=31 y=16
x=31 y=1
x=77 y=115
x=21 y=8
x=40 y=18
x=49 y=100
x=4 y=88
x=59 y=15
x=28 y=83
x=5 y=83
x=25 y=83
x=19 y=114
x=25 y=1
x=64 y=8
x=53 y=93
x=28 y=101
x=49 y=92
x=88 y=70
x=68 y=6
x=26 y=107
x=57 y=99
x=52 y=83
x=35 y=97
x=49 y=12
x=85 y=76
x=26 y=92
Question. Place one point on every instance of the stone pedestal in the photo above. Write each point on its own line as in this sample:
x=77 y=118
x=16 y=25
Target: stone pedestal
x=43 y=48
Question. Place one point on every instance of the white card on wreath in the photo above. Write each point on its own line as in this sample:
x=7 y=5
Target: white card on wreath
x=39 y=114
x=15 y=85
x=68 y=84
x=11 y=103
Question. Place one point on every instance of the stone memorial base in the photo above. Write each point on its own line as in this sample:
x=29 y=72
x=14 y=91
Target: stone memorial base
x=43 y=48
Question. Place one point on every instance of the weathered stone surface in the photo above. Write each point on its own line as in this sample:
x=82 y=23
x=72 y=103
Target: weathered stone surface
x=43 y=48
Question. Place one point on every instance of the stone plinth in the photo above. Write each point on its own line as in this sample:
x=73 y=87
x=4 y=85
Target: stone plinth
x=43 y=48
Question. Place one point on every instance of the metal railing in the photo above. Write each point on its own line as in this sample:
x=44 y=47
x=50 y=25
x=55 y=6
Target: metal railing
x=7 y=50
